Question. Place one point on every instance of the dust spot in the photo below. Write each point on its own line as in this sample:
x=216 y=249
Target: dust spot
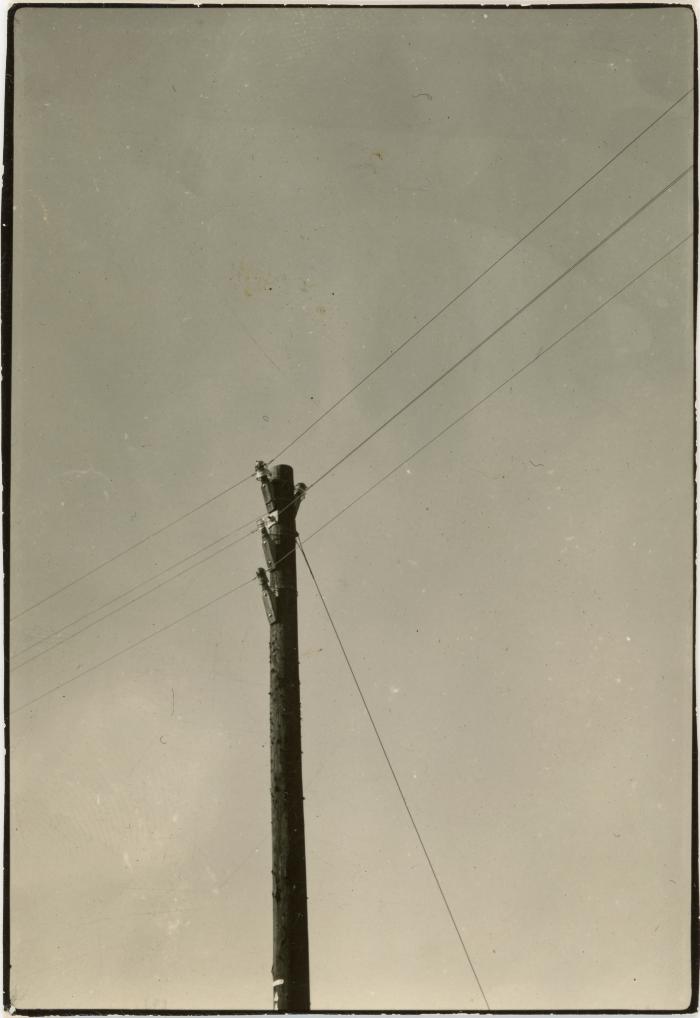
x=90 y=472
x=42 y=203
x=252 y=279
x=312 y=650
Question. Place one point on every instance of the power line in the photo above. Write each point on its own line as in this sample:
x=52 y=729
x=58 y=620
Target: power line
x=137 y=544
x=393 y=773
x=130 y=590
x=139 y=597
x=498 y=388
x=403 y=408
x=376 y=484
x=479 y=277
x=349 y=392
x=500 y=328
x=503 y=325
x=132 y=646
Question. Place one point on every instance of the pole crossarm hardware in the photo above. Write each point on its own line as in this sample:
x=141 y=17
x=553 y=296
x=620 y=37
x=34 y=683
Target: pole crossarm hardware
x=267 y=596
x=264 y=525
x=262 y=473
x=290 y=935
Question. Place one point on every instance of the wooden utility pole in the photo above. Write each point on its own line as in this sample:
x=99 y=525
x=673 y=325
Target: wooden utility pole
x=290 y=936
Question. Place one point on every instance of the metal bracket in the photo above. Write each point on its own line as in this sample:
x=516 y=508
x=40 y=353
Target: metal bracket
x=267 y=494
x=300 y=490
x=263 y=475
x=269 y=520
x=264 y=527
x=269 y=600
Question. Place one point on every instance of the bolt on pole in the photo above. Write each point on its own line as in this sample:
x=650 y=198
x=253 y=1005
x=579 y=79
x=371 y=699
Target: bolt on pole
x=290 y=936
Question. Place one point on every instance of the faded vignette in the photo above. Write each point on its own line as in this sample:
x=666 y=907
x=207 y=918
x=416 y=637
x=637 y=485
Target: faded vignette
x=223 y=222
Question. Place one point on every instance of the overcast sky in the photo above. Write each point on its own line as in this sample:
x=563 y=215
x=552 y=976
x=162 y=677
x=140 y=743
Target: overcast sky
x=223 y=219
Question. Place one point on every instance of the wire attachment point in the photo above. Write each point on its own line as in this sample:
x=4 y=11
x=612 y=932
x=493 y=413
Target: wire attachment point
x=300 y=490
x=264 y=526
x=269 y=599
x=265 y=477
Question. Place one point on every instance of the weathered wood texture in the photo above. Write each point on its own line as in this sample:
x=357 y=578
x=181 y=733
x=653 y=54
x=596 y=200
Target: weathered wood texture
x=290 y=965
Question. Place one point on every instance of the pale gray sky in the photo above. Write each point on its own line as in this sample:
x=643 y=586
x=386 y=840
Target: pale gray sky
x=223 y=219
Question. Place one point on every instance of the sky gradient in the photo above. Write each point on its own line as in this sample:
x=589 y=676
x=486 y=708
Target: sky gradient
x=223 y=219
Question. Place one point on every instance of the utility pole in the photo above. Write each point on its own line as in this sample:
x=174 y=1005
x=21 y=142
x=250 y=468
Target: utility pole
x=290 y=935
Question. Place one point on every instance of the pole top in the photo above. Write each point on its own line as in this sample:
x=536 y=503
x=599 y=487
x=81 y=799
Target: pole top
x=282 y=472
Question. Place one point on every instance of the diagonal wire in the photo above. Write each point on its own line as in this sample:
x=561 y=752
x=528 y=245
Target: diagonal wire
x=502 y=326
x=130 y=590
x=479 y=277
x=139 y=597
x=381 y=480
x=498 y=388
x=137 y=544
x=419 y=395
x=393 y=773
x=392 y=354
x=132 y=646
